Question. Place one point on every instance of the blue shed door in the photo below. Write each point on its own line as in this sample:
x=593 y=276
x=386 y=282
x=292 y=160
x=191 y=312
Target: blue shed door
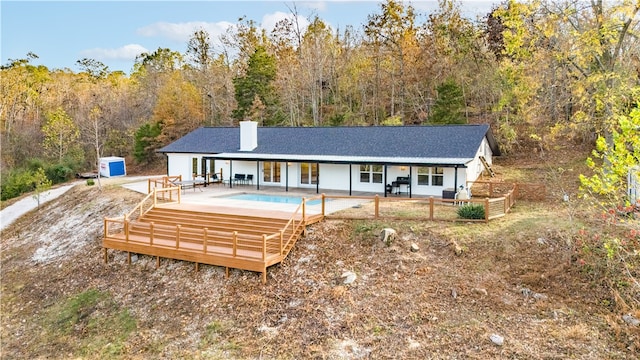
x=116 y=168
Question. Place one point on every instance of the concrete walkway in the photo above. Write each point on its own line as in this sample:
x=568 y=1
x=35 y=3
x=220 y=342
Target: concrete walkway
x=14 y=211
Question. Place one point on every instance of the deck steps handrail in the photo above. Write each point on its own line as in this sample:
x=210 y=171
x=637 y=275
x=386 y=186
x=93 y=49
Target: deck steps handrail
x=140 y=208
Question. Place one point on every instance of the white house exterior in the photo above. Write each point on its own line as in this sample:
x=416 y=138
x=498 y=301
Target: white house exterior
x=353 y=159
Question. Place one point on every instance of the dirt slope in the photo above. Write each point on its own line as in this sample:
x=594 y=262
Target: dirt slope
x=514 y=278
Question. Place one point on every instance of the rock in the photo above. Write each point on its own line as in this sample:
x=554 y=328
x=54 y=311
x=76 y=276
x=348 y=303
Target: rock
x=631 y=320
x=388 y=235
x=480 y=291
x=497 y=339
x=415 y=247
x=454 y=293
x=134 y=258
x=539 y=296
x=349 y=277
x=457 y=249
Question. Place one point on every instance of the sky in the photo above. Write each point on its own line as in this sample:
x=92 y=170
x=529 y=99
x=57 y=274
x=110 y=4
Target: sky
x=114 y=32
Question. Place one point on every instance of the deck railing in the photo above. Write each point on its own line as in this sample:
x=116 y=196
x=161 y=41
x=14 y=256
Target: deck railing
x=424 y=209
x=226 y=243
x=162 y=182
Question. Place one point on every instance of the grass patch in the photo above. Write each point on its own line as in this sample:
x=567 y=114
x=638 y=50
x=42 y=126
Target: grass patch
x=89 y=324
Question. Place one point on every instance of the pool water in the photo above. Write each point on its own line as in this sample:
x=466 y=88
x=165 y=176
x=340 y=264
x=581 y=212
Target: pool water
x=273 y=198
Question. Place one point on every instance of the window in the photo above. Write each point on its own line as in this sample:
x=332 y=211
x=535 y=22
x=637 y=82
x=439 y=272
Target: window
x=437 y=176
x=423 y=175
x=308 y=173
x=431 y=175
x=371 y=174
x=194 y=166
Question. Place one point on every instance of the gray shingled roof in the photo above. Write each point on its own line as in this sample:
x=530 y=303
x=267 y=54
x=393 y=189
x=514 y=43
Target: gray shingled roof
x=447 y=141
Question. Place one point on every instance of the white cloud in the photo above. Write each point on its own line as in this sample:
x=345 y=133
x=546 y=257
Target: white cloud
x=315 y=5
x=269 y=21
x=127 y=52
x=182 y=32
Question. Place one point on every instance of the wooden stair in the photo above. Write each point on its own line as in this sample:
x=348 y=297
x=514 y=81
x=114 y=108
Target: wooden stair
x=487 y=166
x=201 y=235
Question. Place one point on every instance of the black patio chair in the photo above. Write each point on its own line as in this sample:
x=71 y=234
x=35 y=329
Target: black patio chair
x=249 y=179
x=239 y=178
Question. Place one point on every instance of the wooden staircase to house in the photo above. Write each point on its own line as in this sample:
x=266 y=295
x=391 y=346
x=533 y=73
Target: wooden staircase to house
x=484 y=162
x=245 y=239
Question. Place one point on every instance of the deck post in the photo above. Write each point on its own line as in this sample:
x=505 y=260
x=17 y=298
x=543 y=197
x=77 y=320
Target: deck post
x=486 y=210
x=155 y=199
x=431 y=208
x=204 y=241
x=281 y=242
x=197 y=269
x=105 y=227
x=151 y=233
x=235 y=242
x=323 y=204
x=128 y=258
x=178 y=227
x=126 y=230
x=264 y=247
x=106 y=257
x=304 y=202
x=226 y=272
x=157 y=262
x=264 y=276
x=377 y=206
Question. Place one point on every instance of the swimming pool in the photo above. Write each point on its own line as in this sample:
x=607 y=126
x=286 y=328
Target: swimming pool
x=272 y=198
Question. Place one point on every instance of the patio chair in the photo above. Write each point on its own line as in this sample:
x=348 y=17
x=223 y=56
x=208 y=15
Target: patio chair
x=249 y=179
x=213 y=178
x=239 y=178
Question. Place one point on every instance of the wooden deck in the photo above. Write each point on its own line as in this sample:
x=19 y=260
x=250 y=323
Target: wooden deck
x=248 y=239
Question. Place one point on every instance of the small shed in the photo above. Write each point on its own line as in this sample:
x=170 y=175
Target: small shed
x=112 y=166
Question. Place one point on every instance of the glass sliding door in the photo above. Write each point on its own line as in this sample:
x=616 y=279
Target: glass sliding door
x=308 y=174
x=271 y=172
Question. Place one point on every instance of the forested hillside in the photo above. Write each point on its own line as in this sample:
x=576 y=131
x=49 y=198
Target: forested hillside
x=542 y=73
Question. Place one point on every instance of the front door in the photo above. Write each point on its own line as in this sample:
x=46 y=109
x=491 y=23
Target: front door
x=271 y=172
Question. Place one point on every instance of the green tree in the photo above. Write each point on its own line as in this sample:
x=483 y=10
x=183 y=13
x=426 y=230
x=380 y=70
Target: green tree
x=257 y=82
x=60 y=133
x=611 y=163
x=146 y=142
x=449 y=107
x=41 y=184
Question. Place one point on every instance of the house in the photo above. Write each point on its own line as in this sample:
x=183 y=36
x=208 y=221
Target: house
x=415 y=160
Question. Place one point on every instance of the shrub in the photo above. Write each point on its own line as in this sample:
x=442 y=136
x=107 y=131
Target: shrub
x=471 y=211
x=90 y=182
x=59 y=173
x=16 y=183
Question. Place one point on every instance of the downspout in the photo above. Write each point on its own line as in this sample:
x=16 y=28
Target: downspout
x=230 y=173
x=286 y=177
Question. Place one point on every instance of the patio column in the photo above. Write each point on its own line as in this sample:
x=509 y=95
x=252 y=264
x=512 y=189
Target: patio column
x=455 y=178
x=410 y=179
x=317 y=177
x=286 y=176
x=385 y=180
x=350 y=179
x=257 y=175
x=230 y=173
